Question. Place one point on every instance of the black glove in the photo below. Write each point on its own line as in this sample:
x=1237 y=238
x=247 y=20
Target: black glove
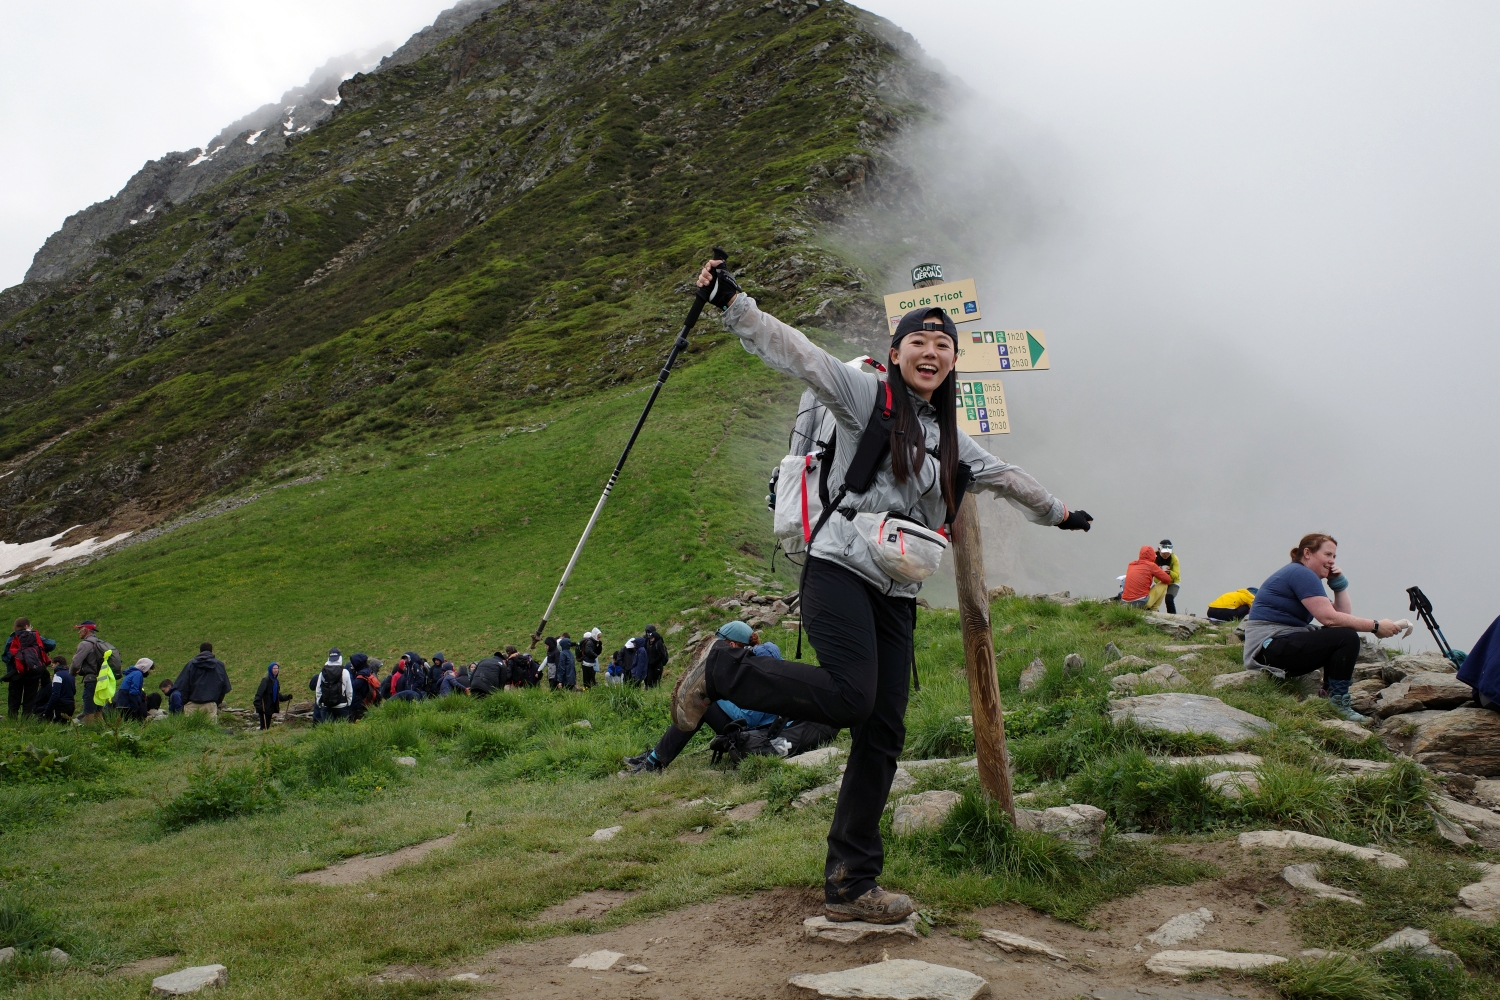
x=721 y=289
x=1077 y=520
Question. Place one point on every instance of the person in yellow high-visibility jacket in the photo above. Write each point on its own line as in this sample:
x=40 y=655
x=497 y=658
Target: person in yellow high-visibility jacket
x=1167 y=560
x=1235 y=604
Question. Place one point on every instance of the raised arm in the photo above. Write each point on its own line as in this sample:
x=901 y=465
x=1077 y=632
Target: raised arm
x=1010 y=482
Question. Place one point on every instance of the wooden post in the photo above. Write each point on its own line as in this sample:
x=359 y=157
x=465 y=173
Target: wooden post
x=979 y=657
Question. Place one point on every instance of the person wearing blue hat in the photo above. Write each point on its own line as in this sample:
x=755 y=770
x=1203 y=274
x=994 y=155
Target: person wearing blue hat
x=895 y=477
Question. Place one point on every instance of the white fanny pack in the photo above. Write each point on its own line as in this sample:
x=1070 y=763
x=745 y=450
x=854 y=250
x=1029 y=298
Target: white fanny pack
x=905 y=550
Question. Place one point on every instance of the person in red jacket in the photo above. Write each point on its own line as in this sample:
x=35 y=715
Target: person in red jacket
x=1138 y=577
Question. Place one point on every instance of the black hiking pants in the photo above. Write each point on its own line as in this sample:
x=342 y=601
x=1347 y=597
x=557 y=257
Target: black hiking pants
x=23 y=694
x=674 y=739
x=1331 y=650
x=864 y=644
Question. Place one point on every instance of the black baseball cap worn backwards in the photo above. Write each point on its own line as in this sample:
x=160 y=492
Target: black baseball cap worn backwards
x=928 y=318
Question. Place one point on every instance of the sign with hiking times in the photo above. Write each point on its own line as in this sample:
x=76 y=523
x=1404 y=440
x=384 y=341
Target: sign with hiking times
x=958 y=297
x=981 y=408
x=1002 y=351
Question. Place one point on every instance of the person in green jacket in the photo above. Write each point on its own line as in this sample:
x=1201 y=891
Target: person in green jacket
x=1167 y=560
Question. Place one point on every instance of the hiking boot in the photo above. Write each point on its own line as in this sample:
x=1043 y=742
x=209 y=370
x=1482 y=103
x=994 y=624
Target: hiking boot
x=690 y=696
x=877 y=906
x=633 y=761
x=1343 y=705
x=642 y=765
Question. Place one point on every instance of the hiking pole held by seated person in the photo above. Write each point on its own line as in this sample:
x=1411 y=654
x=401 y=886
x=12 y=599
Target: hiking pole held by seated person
x=704 y=295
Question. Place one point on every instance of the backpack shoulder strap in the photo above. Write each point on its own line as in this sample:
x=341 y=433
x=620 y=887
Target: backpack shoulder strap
x=874 y=443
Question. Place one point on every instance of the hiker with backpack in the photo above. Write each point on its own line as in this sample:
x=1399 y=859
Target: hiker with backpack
x=88 y=658
x=550 y=661
x=204 y=683
x=333 y=692
x=268 y=696
x=172 y=697
x=588 y=656
x=900 y=466
x=25 y=659
x=130 y=696
x=656 y=656
x=56 y=703
x=567 y=663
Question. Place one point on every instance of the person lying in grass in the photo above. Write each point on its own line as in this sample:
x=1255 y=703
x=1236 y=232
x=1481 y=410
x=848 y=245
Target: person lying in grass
x=1280 y=636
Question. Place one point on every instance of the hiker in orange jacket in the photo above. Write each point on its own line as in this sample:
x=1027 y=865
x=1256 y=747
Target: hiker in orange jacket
x=1138 y=577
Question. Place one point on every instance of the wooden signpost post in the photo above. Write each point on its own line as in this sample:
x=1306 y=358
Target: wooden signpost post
x=974 y=613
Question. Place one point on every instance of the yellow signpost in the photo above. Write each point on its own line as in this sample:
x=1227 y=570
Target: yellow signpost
x=981 y=408
x=957 y=297
x=1002 y=351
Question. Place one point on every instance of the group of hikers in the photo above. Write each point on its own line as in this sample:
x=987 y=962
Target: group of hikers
x=1154 y=578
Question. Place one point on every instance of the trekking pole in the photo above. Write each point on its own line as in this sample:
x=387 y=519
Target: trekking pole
x=1423 y=607
x=661 y=380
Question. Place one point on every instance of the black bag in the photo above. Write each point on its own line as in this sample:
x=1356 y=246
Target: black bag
x=332 y=693
x=736 y=743
x=805 y=736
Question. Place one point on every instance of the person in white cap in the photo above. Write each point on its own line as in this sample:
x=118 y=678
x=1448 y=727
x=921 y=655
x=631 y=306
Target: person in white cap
x=130 y=696
x=588 y=655
x=1167 y=560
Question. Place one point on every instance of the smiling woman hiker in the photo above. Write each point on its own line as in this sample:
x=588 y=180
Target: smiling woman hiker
x=1279 y=633
x=897 y=487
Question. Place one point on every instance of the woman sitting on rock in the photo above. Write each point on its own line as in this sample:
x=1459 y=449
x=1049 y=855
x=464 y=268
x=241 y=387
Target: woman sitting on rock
x=1280 y=636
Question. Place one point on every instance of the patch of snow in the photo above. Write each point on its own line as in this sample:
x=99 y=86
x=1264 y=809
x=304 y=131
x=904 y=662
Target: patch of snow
x=250 y=140
x=134 y=221
x=13 y=555
x=287 y=125
x=335 y=102
x=203 y=157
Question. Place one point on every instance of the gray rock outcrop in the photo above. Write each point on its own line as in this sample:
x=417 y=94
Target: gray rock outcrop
x=1419 y=691
x=1188 y=713
x=923 y=811
x=1464 y=740
x=897 y=979
x=1079 y=825
x=190 y=980
x=1183 y=927
x=1305 y=877
x=850 y=931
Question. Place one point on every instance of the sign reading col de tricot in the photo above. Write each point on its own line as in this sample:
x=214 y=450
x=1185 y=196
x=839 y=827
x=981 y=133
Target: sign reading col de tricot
x=957 y=298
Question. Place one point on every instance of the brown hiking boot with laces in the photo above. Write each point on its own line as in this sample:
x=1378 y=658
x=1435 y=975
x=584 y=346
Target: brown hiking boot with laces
x=878 y=906
x=690 y=696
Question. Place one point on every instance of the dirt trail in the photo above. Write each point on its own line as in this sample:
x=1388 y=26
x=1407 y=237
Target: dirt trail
x=368 y=866
x=748 y=947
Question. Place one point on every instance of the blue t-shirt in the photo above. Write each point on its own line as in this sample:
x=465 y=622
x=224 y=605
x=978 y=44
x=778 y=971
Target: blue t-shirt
x=1280 y=597
x=753 y=720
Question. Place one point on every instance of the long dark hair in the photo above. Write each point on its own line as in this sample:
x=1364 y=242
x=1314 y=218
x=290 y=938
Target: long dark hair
x=909 y=444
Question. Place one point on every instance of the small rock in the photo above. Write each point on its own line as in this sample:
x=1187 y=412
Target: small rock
x=59 y=957
x=1189 y=658
x=779 y=607
x=1418 y=941
x=1358 y=766
x=814 y=795
x=1139 y=838
x=1163 y=675
x=897 y=979
x=676 y=628
x=608 y=833
x=464 y=977
x=1233 y=784
x=903 y=781
x=1285 y=839
x=1481 y=900
x=1487 y=792
x=1238 y=678
x=1448 y=830
x=1033 y=674
x=407 y=761
x=1079 y=824
x=1240 y=761
x=914 y=765
x=1125 y=683
x=923 y=811
x=1344 y=727
x=1188 y=713
x=1129 y=663
x=6 y=954
x=851 y=931
x=596 y=961
x=1073 y=664
x=1305 y=877
x=1006 y=941
x=815 y=758
x=748 y=811
x=995 y=593
x=1480 y=823
x=637 y=969
x=1183 y=927
x=1185 y=963
x=190 y=980
x=1112 y=653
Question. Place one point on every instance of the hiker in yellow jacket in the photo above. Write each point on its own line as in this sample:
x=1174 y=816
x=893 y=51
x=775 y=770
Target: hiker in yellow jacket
x=1167 y=560
x=1233 y=605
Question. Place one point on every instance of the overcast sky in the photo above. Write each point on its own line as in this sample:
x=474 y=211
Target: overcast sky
x=1262 y=239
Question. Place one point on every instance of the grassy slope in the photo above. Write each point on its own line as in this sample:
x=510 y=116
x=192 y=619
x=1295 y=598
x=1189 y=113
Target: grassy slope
x=457 y=550
x=536 y=786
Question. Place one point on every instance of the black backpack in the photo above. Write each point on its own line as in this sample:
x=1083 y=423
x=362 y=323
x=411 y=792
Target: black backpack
x=736 y=743
x=332 y=695
x=805 y=736
x=656 y=651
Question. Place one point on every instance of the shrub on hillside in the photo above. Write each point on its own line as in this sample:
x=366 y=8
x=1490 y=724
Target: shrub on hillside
x=1338 y=977
x=216 y=791
x=1141 y=794
x=336 y=755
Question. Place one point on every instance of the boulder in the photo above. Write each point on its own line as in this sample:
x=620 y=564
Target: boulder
x=1125 y=683
x=1188 y=713
x=1073 y=664
x=1112 y=653
x=1183 y=927
x=1418 y=941
x=1426 y=690
x=902 y=781
x=1238 y=678
x=1178 y=626
x=1242 y=761
x=1477 y=821
x=923 y=811
x=1008 y=942
x=1033 y=674
x=1401 y=666
x=1347 y=729
x=897 y=979
x=815 y=758
x=596 y=961
x=608 y=833
x=1364 y=694
x=1185 y=963
x=190 y=980
x=1305 y=877
x=1130 y=663
x=1466 y=740
x=1080 y=825
x=850 y=931
x=1481 y=900
x=1285 y=839
x=1233 y=784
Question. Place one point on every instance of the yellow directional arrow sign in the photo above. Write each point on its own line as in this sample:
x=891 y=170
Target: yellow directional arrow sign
x=981 y=408
x=1002 y=351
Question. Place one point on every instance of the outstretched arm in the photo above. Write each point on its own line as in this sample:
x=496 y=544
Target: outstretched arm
x=1010 y=482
